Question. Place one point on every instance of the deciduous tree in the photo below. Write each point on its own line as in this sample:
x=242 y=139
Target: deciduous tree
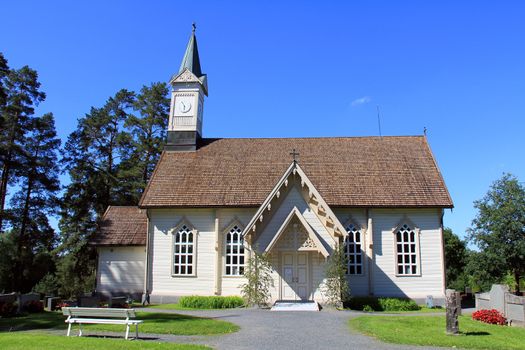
x=499 y=229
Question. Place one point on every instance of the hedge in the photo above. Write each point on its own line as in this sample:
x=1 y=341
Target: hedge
x=211 y=302
x=382 y=304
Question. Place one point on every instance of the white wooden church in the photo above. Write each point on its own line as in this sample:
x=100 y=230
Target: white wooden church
x=210 y=201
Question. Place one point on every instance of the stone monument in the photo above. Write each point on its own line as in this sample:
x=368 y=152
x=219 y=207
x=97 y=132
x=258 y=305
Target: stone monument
x=453 y=305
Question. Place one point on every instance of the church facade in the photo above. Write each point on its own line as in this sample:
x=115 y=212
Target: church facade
x=211 y=202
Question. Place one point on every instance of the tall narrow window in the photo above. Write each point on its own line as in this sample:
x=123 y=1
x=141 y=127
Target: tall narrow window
x=353 y=252
x=234 y=252
x=183 y=249
x=406 y=251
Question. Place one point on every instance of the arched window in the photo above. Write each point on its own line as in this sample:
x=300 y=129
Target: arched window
x=406 y=250
x=183 y=251
x=234 y=252
x=353 y=252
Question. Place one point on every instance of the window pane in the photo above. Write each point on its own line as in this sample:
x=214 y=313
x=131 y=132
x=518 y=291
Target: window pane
x=398 y=236
x=358 y=269
x=405 y=236
x=414 y=269
x=190 y=270
x=190 y=237
x=400 y=269
x=228 y=270
x=413 y=259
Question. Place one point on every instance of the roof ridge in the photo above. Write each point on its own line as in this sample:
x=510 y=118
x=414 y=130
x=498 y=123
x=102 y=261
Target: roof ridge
x=313 y=137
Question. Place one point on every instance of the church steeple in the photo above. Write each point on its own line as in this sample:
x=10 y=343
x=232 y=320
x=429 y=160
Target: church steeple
x=189 y=86
x=191 y=56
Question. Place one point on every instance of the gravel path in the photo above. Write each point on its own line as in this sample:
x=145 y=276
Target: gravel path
x=263 y=329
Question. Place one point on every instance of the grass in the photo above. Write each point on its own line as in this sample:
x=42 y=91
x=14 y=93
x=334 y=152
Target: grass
x=38 y=341
x=422 y=310
x=155 y=323
x=430 y=331
x=175 y=307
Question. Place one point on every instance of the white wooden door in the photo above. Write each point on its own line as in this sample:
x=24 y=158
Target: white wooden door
x=294 y=281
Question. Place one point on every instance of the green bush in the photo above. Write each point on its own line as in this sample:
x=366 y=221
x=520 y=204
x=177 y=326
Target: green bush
x=398 y=304
x=212 y=302
x=381 y=304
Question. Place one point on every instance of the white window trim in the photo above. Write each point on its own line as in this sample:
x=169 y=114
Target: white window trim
x=175 y=230
x=417 y=231
x=362 y=231
x=225 y=231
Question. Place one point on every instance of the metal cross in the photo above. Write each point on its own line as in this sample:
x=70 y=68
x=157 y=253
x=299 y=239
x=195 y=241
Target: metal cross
x=294 y=154
x=194 y=26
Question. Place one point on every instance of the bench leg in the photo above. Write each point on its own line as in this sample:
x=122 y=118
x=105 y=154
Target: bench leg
x=127 y=331
x=136 y=331
x=80 y=329
x=69 y=330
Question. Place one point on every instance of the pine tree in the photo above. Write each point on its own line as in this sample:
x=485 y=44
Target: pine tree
x=19 y=94
x=92 y=157
x=149 y=133
x=35 y=199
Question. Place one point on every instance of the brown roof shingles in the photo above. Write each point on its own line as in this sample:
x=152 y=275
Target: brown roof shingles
x=122 y=226
x=395 y=171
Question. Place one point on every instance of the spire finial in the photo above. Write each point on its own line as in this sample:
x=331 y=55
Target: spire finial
x=193 y=27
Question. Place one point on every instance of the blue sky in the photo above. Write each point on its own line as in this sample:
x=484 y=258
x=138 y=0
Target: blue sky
x=283 y=69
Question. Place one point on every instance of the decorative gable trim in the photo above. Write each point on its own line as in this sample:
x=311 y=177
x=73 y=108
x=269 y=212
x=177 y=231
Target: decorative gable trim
x=183 y=221
x=311 y=234
x=234 y=222
x=407 y=221
x=316 y=202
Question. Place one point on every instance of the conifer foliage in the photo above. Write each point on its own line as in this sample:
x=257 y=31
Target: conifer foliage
x=108 y=160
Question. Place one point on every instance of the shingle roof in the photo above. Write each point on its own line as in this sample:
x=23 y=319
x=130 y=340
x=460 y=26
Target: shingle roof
x=122 y=226
x=395 y=171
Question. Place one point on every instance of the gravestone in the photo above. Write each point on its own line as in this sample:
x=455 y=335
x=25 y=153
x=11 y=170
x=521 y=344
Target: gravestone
x=497 y=297
x=51 y=303
x=453 y=310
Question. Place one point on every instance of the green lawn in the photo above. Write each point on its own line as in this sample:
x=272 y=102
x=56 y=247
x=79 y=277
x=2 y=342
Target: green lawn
x=175 y=307
x=153 y=323
x=430 y=331
x=40 y=341
x=422 y=310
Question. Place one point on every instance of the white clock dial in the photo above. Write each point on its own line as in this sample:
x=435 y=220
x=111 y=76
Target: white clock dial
x=185 y=106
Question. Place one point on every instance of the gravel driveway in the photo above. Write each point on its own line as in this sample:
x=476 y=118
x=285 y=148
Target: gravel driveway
x=263 y=329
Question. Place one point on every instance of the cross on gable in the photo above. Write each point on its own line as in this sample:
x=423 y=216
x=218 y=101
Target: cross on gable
x=294 y=154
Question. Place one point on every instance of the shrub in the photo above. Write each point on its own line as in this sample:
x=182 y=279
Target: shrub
x=397 y=304
x=489 y=316
x=211 y=302
x=34 y=306
x=259 y=280
x=381 y=304
x=367 y=308
x=8 y=309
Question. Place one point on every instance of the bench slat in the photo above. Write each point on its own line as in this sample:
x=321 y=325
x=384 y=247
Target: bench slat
x=98 y=312
x=102 y=321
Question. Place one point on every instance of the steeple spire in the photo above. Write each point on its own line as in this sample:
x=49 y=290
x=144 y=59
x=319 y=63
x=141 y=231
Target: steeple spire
x=191 y=56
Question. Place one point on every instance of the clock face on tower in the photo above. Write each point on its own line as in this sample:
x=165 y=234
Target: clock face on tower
x=184 y=106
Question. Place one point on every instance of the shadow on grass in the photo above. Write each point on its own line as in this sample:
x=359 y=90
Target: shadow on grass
x=476 y=333
x=43 y=320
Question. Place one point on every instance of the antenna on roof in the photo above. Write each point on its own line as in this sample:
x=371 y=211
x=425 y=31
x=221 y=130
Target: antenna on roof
x=425 y=130
x=379 y=122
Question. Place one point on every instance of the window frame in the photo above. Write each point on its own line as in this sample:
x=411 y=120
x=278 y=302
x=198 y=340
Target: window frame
x=184 y=222
x=362 y=243
x=417 y=233
x=225 y=232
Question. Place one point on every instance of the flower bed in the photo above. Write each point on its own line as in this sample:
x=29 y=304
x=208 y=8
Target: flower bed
x=489 y=316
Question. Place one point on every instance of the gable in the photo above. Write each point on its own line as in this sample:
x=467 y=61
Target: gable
x=348 y=172
x=296 y=233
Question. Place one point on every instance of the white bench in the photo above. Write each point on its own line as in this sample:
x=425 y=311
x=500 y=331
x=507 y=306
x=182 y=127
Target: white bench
x=80 y=315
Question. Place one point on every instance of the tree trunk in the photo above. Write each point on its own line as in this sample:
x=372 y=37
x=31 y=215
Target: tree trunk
x=6 y=169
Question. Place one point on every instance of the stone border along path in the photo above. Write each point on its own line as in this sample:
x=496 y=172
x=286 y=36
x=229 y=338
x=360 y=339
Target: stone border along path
x=263 y=329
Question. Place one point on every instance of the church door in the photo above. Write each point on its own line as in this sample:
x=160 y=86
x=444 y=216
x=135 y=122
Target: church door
x=294 y=281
